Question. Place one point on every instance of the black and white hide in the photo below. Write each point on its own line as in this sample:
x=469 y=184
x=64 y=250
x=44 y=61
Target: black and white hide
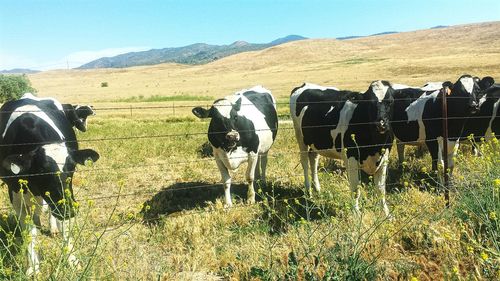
x=418 y=116
x=38 y=147
x=242 y=129
x=344 y=125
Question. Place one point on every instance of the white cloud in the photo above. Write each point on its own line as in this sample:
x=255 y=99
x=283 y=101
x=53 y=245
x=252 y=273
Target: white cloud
x=72 y=60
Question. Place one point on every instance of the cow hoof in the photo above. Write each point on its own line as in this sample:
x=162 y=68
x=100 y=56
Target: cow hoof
x=74 y=262
x=33 y=270
x=389 y=217
x=54 y=232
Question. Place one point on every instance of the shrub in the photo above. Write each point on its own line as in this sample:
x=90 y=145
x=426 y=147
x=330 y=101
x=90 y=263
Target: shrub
x=104 y=84
x=14 y=86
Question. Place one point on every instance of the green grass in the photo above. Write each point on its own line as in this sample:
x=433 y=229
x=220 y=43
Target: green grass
x=152 y=208
x=159 y=98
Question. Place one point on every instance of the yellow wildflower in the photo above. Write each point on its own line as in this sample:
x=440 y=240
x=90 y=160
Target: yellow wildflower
x=496 y=183
x=424 y=169
x=493 y=216
x=470 y=249
x=484 y=256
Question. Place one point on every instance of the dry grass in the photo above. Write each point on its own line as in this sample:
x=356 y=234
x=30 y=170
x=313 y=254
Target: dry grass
x=412 y=58
x=195 y=238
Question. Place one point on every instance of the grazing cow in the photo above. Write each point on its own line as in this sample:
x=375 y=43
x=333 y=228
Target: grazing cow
x=38 y=156
x=345 y=125
x=417 y=115
x=486 y=121
x=242 y=128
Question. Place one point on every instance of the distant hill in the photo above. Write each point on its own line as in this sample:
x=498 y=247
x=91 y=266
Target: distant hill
x=18 y=71
x=376 y=34
x=192 y=54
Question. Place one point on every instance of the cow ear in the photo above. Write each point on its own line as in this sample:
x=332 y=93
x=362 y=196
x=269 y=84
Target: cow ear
x=447 y=88
x=17 y=163
x=201 y=112
x=83 y=155
x=237 y=105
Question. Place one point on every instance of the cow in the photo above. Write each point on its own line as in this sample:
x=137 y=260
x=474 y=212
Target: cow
x=486 y=122
x=345 y=125
x=243 y=127
x=77 y=117
x=418 y=116
x=38 y=157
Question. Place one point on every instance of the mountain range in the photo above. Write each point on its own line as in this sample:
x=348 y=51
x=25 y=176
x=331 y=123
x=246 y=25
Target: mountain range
x=198 y=53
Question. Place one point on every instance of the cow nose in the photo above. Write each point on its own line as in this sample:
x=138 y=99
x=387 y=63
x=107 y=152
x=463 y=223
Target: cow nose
x=474 y=107
x=233 y=136
x=382 y=126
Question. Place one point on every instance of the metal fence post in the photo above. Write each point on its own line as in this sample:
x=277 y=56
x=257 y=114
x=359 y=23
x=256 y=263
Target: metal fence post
x=445 y=148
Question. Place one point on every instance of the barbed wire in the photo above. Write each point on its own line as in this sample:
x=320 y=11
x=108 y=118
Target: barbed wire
x=187 y=134
x=200 y=186
x=340 y=150
x=175 y=106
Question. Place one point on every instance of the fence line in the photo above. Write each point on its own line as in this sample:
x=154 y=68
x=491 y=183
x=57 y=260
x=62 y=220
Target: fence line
x=220 y=132
x=207 y=159
x=174 y=106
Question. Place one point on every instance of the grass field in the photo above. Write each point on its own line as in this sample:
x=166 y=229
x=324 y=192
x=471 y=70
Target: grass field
x=152 y=207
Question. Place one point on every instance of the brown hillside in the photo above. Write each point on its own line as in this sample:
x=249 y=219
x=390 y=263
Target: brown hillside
x=411 y=57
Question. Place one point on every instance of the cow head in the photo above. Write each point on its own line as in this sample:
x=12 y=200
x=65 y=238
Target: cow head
x=464 y=95
x=77 y=115
x=49 y=170
x=226 y=125
x=379 y=103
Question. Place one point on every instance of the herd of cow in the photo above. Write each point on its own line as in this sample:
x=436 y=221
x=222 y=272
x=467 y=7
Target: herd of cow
x=39 y=150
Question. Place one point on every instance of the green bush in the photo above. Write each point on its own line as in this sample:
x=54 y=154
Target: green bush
x=13 y=87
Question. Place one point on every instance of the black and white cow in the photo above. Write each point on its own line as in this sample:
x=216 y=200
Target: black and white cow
x=417 y=115
x=242 y=129
x=486 y=121
x=345 y=125
x=77 y=116
x=38 y=156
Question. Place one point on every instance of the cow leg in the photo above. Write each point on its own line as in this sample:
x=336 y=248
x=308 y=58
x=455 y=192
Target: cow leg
x=313 y=162
x=304 y=161
x=380 y=179
x=257 y=168
x=401 y=153
x=22 y=206
x=434 y=151
x=353 y=177
x=263 y=166
x=226 y=181
x=65 y=227
x=44 y=208
x=252 y=164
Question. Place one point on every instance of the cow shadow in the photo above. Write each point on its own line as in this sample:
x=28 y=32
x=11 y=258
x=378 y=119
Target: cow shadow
x=187 y=196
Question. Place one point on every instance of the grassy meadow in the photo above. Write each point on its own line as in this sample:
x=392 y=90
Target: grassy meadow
x=152 y=207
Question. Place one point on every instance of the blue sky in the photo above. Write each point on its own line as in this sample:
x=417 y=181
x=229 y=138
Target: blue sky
x=47 y=34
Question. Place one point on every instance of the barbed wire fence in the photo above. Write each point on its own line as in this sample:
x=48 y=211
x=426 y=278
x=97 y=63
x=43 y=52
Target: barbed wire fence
x=118 y=169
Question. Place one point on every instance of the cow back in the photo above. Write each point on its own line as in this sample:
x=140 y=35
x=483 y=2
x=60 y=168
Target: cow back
x=265 y=103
